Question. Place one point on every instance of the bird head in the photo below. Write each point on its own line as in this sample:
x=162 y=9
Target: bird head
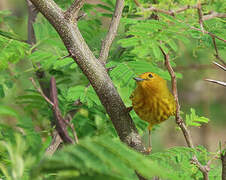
x=150 y=81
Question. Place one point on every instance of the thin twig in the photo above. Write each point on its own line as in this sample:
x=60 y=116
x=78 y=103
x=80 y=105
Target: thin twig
x=178 y=118
x=40 y=91
x=71 y=125
x=199 y=9
x=60 y=58
x=214 y=15
x=216 y=50
x=216 y=82
x=219 y=65
x=207 y=32
x=107 y=42
x=73 y=10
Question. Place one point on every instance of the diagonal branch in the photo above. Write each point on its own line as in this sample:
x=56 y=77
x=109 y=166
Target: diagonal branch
x=219 y=65
x=107 y=42
x=73 y=10
x=207 y=32
x=179 y=120
x=214 y=15
x=61 y=126
x=216 y=50
x=41 y=92
x=216 y=82
x=94 y=71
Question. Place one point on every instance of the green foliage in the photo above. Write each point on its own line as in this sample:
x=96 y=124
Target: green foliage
x=11 y=51
x=134 y=51
x=15 y=164
x=99 y=157
x=194 y=120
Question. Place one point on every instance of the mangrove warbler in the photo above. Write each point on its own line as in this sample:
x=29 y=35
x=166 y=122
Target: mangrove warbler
x=152 y=100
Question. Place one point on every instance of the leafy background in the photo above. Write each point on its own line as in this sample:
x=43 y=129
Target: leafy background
x=26 y=118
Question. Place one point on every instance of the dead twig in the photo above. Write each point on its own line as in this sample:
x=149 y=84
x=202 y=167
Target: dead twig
x=40 y=91
x=216 y=82
x=219 y=65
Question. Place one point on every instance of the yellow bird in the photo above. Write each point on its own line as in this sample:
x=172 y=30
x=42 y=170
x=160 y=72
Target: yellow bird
x=152 y=101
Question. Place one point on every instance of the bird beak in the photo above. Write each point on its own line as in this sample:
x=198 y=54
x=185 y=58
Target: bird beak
x=138 y=79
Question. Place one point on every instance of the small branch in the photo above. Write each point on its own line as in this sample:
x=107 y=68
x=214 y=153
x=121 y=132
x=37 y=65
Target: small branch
x=199 y=9
x=216 y=50
x=216 y=82
x=73 y=10
x=71 y=125
x=203 y=169
x=214 y=15
x=32 y=14
x=56 y=140
x=60 y=121
x=185 y=8
x=178 y=118
x=41 y=92
x=60 y=58
x=172 y=12
x=219 y=65
x=107 y=42
x=206 y=32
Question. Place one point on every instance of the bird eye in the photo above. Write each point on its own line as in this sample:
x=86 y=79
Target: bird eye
x=150 y=76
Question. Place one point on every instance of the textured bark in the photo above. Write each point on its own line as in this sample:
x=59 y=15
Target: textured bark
x=94 y=70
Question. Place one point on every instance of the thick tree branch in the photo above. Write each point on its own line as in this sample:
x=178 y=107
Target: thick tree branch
x=179 y=120
x=73 y=10
x=106 y=44
x=94 y=70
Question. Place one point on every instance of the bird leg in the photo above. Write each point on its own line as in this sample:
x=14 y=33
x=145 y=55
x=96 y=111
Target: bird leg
x=149 y=138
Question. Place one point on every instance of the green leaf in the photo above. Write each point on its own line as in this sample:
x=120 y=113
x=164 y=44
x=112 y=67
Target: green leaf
x=2 y=93
x=100 y=156
x=195 y=120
